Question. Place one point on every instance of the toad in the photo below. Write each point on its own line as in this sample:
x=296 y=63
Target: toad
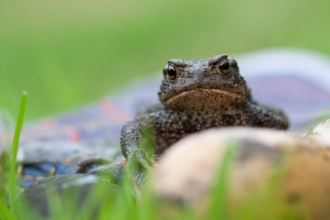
x=195 y=95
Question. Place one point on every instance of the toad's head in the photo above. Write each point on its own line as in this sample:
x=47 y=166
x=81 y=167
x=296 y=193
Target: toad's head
x=202 y=85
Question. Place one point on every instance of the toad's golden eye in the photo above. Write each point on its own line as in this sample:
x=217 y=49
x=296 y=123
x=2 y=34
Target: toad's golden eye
x=171 y=72
x=224 y=67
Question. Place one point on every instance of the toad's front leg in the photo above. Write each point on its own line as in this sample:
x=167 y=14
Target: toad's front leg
x=268 y=116
x=138 y=140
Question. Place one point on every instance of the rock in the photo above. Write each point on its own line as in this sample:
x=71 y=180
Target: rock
x=186 y=172
x=321 y=131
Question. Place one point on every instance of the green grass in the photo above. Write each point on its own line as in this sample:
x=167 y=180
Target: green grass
x=14 y=149
x=108 y=201
x=218 y=204
x=71 y=53
x=6 y=213
x=264 y=203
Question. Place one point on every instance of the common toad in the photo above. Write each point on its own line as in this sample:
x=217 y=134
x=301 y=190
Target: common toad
x=196 y=95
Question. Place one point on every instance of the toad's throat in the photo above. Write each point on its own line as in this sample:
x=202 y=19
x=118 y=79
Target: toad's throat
x=205 y=95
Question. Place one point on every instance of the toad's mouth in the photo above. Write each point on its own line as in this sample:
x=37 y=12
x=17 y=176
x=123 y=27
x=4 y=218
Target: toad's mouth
x=201 y=92
x=205 y=98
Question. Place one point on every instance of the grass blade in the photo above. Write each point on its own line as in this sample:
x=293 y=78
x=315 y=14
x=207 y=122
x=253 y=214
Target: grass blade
x=14 y=149
x=218 y=195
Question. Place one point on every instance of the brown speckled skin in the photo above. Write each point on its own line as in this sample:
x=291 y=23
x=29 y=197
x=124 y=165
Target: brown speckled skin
x=200 y=96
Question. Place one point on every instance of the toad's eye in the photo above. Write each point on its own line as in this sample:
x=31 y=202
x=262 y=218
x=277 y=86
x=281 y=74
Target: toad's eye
x=171 y=72
x=224 y=67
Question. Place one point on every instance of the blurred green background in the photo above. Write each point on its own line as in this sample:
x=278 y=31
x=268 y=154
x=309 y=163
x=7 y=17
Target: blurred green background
x=67 y=53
